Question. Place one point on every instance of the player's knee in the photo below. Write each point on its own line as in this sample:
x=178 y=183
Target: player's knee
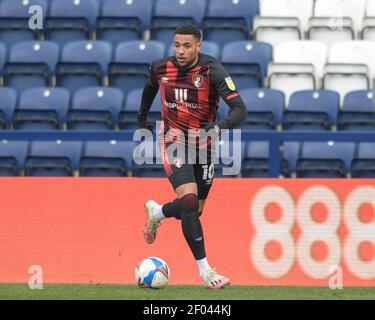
x=189 y=204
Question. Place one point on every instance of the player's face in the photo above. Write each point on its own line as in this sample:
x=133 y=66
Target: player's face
x=186 y=48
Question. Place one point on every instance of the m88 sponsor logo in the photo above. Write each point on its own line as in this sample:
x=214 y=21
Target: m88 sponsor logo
x=317 y=230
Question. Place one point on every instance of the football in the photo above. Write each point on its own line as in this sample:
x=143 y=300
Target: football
x=152 y=273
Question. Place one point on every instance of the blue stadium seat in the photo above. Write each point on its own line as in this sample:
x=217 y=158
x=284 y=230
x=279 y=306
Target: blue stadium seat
x=147 y=160
x=169 y=14
x=325 y=160
x=358 y=112
x=265 y=108
x=128 y=116
x=229 y=20
x=130 y=67
x=246 y=62
x=208 y=47
x=12 y=157
x=42 y=109
x=83 y=64
x=3 y=56
x=14 y=20
x=107 y=158
x=31 y=64
x=120 y=20
x=363 y=164
x=53 y=158
x=312 y=110
x=95 y=108
x=8 y=100
x=255 y=163
x=71 y=20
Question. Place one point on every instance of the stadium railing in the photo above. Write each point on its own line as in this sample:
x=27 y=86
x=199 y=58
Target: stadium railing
x=274 y=138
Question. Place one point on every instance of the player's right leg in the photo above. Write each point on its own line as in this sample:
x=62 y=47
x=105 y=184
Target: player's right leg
x=204 y=174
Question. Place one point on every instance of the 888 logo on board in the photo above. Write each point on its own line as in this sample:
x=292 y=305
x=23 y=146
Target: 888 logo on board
x=318 y=230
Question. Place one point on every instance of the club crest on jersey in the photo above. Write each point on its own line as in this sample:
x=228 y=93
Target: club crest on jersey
x=177 y=162
x=197 y=80
x=230 y=83
x=164 y=79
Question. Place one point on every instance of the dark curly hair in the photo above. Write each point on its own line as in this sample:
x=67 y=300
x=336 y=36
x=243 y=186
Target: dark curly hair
x=189 y=29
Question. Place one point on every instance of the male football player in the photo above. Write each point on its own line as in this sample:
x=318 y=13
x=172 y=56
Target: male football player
x=191 y=84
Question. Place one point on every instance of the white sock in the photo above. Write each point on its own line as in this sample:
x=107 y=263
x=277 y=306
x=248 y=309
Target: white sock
x=203 y=267
x=158 y=213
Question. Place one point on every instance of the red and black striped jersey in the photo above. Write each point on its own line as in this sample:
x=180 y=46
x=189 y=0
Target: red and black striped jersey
x=190 y=97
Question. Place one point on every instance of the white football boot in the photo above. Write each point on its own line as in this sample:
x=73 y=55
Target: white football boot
x=152 y=224
x=213 y=280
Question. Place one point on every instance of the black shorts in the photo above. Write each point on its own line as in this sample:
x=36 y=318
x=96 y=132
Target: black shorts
x=189 y=165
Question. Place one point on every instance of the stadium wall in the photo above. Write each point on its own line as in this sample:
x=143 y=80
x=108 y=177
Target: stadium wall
x=257 y=231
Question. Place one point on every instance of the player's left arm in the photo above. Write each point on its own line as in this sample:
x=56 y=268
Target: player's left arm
x=227 y=90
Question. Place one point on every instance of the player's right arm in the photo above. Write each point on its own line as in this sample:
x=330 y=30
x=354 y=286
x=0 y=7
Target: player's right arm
x=150 y=91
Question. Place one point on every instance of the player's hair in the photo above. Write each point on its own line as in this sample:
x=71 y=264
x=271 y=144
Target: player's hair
x=189 y=29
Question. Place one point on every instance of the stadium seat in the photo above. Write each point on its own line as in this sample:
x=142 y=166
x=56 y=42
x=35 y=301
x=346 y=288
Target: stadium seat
x=336 y=20
x=128 y=116
x=12 y=157
x=247 y=62
x=290 y=152
x=31 y=64
x=120 y=20
x=130 y=67
x=358 y=112
x=15 y=18
x=351 y=67
x=147 y=160
x=71 y=20
x=325 y=159
x=107 y=158
x=53 y=158
x=42 y=109
x=83 y=64
x=298 y=65
x=95 y=109
x=368 y=26
x=265 y=108
x=229 y=20
x=312 y=110
x=282 y=20
x=169 y=14
x=363 y=164
x=3 y=56
x=208 y=47
x=8 y=100
x=255 y=162
x=276 y=30
x=302 y=10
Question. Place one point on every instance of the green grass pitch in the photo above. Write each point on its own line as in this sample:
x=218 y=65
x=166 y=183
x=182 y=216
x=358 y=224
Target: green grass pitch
x=172 y=292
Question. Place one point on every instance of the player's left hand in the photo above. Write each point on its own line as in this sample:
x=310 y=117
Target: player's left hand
x=213 y=126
